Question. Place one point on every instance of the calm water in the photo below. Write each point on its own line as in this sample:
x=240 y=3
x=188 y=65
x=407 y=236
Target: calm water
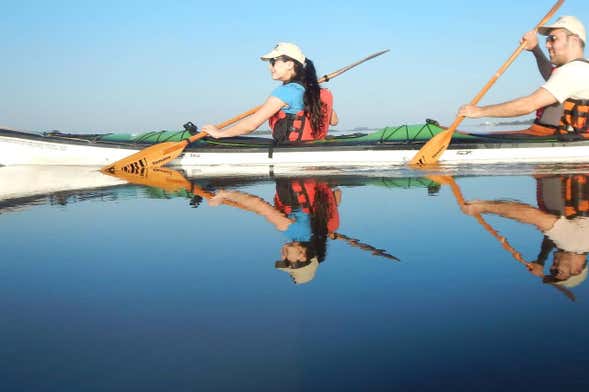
x=110 y=285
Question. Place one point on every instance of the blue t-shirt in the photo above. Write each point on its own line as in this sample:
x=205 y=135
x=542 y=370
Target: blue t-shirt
x=292 y=95
x=300 y=229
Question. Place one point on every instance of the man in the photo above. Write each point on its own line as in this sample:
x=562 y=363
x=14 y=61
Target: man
x=570 y=237
x=568 y=84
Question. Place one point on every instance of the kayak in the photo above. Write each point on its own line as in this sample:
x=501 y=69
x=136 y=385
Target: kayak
x=387 y=146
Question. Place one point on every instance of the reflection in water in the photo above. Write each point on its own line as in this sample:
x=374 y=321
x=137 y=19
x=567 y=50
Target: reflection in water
x=128 y=277
x=306 y=211
x=561 y=215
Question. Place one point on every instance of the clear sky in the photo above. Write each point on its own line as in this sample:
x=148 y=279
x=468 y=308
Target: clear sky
x=147 y=65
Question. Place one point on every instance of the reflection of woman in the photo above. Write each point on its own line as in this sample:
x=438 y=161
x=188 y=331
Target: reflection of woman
x=567 y=232
x=306 y=211
x=298 y=110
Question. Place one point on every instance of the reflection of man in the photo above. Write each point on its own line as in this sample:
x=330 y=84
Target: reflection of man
x=569 y=236
x=306 y=211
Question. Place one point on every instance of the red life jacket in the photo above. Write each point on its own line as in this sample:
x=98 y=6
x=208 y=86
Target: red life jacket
x=301 y=194
x=297 y=127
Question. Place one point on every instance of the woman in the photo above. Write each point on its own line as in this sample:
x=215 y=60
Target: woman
x=305 y=210
x=298 y=110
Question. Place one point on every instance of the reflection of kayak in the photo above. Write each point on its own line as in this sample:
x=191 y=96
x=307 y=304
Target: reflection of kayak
x=25 y=181
x=25 y=186
x=22 y=186
x=388 y=146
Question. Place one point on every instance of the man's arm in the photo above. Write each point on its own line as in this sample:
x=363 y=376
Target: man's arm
x=544 y=65
x=520 y=212
x=518 y=107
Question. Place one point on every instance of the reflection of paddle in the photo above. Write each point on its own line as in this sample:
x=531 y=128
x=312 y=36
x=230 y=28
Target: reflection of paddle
x=448 y=180
x=158 y=177
x=357 y=244
x=433 y=149
x=335 y=236
x=163 y=153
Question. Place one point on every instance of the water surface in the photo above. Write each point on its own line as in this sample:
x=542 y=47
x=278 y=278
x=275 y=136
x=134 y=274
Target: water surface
x=115 y=285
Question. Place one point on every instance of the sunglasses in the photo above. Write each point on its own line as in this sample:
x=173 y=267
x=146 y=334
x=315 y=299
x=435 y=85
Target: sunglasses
x=553 y=38
x=281 y=58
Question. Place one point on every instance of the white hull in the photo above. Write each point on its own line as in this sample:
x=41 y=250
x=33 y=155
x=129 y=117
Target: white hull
x=23 y=151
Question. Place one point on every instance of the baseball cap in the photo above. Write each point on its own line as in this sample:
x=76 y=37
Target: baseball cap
x=302 y=274
x=570 y=23
x=285 y=49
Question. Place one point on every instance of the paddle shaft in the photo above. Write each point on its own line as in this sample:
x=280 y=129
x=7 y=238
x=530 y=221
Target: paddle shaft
x=430 y=153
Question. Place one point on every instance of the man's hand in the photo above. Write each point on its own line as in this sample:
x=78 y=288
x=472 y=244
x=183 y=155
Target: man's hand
x=471 y=111
x=531 y=40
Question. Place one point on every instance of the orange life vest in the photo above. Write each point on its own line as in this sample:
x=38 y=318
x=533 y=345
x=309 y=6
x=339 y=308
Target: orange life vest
x=297 y=127
x=574 y=119
x=566 y=195
x=301 y=194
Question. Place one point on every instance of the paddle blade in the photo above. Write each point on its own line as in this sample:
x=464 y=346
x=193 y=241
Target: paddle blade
x=152 y=156
x=432 y=150
x=159 y=177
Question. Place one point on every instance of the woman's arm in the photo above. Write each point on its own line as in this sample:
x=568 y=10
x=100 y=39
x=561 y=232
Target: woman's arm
x=249 y=124
x=254 y=204
x=334 y=118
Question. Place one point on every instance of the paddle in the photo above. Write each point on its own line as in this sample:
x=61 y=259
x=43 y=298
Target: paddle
x=435 y=147
x=163 y=153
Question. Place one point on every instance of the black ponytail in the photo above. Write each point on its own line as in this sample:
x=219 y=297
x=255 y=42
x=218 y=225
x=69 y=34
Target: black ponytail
x=307 y=76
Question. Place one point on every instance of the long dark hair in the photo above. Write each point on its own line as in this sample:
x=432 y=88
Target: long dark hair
x=319 y=224
x=307 y=76
x=319 y=214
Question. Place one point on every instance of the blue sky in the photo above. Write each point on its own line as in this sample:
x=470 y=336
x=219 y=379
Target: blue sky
x=145 y=65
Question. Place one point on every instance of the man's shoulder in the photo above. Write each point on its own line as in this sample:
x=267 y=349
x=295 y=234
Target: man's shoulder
x=577 y=64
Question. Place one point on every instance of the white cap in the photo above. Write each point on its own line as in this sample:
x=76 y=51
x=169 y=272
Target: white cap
x=304 y=274
x=285 y=49
x=570 y=23
x=574 y=280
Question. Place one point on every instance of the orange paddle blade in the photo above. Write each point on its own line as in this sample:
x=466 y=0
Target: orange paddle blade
x=435 y=147
x=153 y=156
x=157 y=177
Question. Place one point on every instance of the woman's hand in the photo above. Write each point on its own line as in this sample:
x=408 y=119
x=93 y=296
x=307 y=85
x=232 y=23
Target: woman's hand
x=212 y=131
x=218 y=199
